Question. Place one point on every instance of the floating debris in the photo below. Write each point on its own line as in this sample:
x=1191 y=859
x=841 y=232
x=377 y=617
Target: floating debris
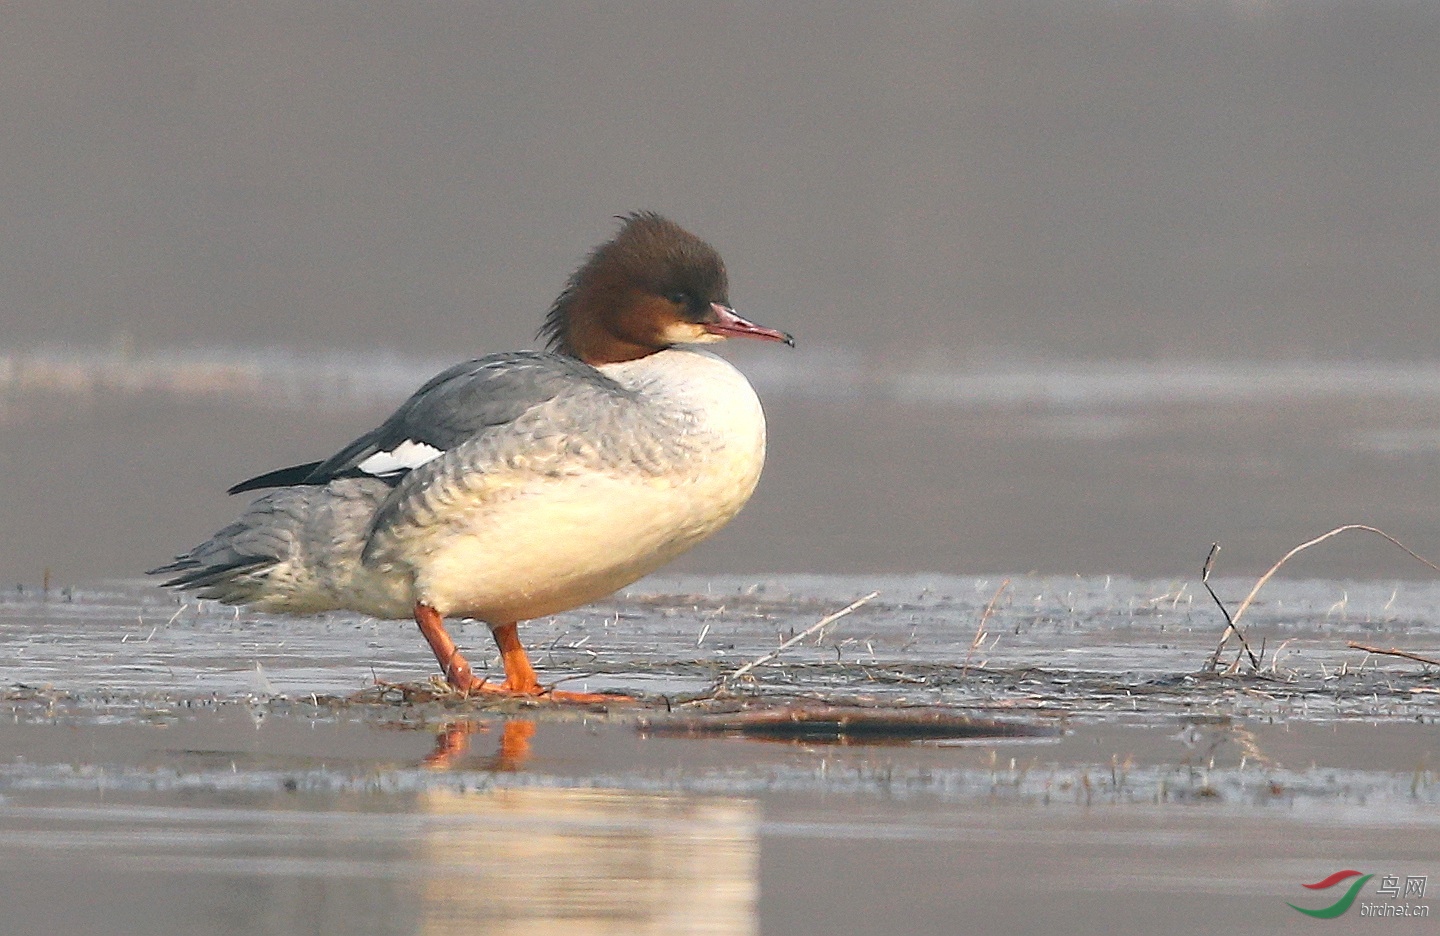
x=846 y=725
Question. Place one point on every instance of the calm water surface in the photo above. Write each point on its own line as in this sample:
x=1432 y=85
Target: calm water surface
x=244 y=774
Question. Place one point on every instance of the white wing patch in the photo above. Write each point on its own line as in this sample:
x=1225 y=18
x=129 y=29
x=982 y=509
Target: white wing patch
x=406 y=456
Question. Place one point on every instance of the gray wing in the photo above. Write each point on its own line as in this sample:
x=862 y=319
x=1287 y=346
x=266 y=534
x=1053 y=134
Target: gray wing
x=453 y=407
x=585 y=428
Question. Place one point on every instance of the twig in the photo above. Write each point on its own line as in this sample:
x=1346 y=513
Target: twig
x=1230 y=627
x=758 y=661
x=980 y=628
x=1392 y=652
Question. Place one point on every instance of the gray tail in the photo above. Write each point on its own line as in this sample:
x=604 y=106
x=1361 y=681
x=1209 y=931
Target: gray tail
x=235 y=565
x=292 y=549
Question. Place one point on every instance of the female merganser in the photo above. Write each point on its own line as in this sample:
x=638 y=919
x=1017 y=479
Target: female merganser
x=521 y=484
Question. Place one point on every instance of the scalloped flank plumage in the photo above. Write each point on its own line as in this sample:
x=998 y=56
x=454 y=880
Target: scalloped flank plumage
x=523 y=483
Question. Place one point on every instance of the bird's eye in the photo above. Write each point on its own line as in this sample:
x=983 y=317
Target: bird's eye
x=679 y=298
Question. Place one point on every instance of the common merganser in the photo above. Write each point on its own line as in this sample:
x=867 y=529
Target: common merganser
x=526 y=483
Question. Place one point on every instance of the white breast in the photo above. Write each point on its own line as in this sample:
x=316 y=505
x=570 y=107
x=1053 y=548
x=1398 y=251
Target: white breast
x=527 y=543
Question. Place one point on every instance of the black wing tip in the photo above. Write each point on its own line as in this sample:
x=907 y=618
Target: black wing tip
x=170 y=568
x=195 y=575
x=280 y=477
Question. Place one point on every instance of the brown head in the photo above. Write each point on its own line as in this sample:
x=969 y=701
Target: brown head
x=652 y=286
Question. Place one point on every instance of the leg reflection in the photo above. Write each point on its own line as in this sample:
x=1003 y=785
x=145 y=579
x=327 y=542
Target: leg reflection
x=452 y=745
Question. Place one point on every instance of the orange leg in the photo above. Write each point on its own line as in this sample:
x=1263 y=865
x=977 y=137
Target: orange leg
x=457 y=671
x=519 y=674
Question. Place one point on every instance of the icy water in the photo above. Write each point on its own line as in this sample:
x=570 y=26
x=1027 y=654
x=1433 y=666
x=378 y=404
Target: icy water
x=202 y=770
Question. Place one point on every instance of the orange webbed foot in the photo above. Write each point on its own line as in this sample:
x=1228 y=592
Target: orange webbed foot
x=520 y=680
x=479 y=687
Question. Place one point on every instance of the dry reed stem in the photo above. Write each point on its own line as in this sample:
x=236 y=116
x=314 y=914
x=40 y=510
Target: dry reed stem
x=1250 y=598
x=761 y=660
x=980 y=628
x=1320 y=539
x=1392 y=652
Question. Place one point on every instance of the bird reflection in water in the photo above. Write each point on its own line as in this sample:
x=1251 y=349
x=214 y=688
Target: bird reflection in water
x=582 y=862
x=452 y=744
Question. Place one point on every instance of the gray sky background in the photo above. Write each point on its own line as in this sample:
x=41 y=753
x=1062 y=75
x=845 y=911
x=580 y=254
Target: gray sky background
x=1077 y=178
